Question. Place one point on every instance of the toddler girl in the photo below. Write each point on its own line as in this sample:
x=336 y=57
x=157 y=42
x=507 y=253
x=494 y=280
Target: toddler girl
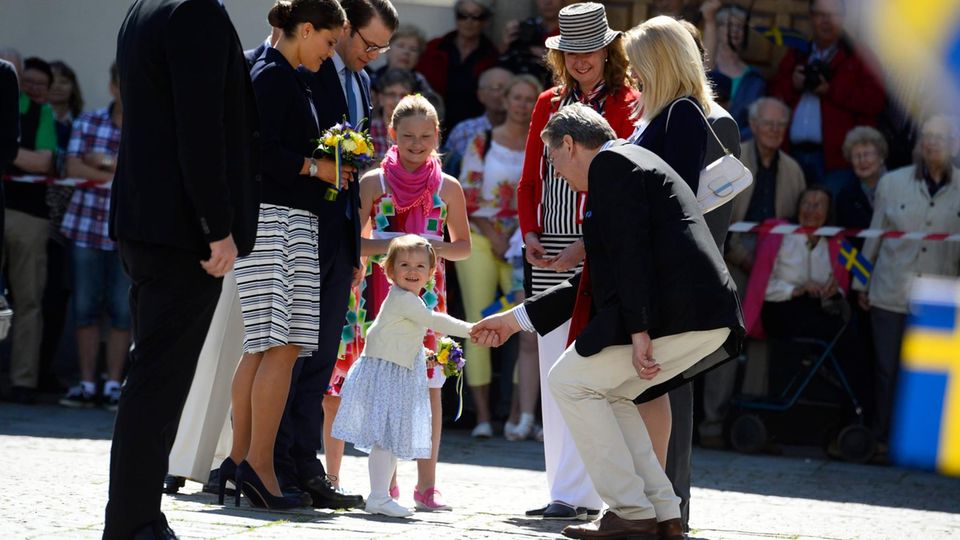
x=385 y=404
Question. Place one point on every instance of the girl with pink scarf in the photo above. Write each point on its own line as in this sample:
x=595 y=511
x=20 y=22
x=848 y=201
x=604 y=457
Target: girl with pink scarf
x=408 y=194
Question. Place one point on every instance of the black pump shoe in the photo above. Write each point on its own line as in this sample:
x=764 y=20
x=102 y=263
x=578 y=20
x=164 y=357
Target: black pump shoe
x=250 y=484
x=227 y=471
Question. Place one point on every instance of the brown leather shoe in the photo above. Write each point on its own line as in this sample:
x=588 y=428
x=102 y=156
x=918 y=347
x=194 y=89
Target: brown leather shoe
x=671 y=529
x=613 y=527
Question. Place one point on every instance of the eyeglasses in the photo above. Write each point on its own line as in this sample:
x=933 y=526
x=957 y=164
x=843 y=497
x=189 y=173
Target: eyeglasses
x=866 y=155
x=937 y=138
x=772 y=124
x=373 y=47
x=550 y=157
x=461 y=16
x=495 y=88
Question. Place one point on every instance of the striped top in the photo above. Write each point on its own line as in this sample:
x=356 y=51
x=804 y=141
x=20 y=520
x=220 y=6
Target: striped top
x=561 y=215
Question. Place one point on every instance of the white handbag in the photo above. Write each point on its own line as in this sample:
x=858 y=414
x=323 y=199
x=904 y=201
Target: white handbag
x=721 y=180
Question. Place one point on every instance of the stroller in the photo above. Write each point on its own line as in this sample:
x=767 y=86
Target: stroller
x=845 y=436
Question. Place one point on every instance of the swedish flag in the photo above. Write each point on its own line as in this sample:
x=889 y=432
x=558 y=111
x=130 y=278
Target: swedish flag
x=785 y=36
x=925 y=431
x=854 y=261
x=500 y=304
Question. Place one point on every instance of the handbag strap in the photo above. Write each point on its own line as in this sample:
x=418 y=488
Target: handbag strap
x=705 y=121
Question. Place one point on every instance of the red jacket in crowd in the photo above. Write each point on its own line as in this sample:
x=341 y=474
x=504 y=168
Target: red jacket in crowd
x=855 y=98
x=617 y=110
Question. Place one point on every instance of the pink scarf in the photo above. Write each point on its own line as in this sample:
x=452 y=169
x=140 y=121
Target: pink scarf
x=412 y=189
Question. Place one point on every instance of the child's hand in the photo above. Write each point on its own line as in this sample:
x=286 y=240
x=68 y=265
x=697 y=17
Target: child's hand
x=431 y=363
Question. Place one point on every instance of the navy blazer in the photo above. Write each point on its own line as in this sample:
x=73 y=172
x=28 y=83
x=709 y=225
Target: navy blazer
x=666 y=277
x=251 y=55
x=188 y=165
x=289 y=134
x=331 y=104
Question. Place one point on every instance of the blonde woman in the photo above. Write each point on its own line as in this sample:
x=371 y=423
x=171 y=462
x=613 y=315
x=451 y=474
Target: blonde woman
x=671 y=122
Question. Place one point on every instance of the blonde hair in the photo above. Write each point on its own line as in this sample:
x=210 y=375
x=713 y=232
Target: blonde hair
x=413 y=105
x=614 y=69
x=665 y=57
x=406 y=244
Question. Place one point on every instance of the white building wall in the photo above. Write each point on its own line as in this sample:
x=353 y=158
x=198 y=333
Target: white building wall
x=83 y=33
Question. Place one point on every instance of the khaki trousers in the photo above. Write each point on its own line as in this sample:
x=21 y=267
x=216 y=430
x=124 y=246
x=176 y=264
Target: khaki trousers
x=595 y=395
x=25 y=254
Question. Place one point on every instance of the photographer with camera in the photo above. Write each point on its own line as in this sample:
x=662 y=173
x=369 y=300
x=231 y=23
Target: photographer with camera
x=830 y=90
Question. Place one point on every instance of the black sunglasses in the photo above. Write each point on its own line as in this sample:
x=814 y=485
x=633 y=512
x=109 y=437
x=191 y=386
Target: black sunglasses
x=461 y=16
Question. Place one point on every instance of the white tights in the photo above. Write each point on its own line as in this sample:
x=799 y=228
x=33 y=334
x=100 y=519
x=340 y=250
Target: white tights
x=382 y=464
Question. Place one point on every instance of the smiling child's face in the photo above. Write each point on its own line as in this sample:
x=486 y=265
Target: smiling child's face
x=411 y=270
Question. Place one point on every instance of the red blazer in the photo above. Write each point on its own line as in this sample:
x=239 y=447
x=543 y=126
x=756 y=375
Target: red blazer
x=855 y=98
x=617 y=110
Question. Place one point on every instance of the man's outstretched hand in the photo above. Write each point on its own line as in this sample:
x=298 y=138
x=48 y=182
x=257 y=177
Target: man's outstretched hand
x=494 y=330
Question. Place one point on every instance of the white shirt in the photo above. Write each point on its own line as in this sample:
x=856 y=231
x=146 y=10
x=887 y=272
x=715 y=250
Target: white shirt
x=343 y=72
x=796 y=265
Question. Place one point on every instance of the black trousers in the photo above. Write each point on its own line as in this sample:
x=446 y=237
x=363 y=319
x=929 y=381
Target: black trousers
x=680 y=447
x=301 y=429
x=172 y=301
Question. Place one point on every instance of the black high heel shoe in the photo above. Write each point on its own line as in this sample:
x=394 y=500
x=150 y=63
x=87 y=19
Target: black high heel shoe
x=250 y=484
x=228 y=471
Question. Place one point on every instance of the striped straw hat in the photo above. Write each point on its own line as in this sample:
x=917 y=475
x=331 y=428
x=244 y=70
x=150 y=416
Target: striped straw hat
x=583 y=28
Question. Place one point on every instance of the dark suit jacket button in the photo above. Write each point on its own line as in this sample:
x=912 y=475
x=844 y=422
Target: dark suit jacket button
x=256 y=134
x=258 y=178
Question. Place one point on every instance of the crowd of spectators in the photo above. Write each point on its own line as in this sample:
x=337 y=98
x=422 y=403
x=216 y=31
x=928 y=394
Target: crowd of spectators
x=809 y=135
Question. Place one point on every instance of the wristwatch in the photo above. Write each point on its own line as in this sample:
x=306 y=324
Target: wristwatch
x=313 y=167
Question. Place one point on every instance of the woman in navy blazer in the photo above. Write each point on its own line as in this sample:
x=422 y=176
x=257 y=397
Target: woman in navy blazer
x=676 y=95
x=672 y=123
x=278 y=282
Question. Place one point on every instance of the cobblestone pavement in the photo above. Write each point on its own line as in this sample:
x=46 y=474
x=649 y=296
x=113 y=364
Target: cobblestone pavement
x=54 y=485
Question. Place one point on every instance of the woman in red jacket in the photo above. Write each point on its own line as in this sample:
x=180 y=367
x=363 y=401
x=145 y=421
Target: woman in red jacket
x=589 y=66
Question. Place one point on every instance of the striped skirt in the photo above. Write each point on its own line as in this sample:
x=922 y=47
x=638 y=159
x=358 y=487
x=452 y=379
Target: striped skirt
x=279 y=282
x=544 y=278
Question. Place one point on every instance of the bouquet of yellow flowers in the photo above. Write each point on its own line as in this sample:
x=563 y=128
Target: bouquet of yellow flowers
x=450 y=359
x=346 y=145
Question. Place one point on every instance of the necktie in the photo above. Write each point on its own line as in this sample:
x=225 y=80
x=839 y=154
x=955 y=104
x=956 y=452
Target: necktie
x=351 y=115
x=351 y=97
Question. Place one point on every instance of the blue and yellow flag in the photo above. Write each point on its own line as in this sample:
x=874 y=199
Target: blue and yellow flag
x=925 y=431
x=854 y=261
x=500 y=304
x=917 y=45
x=785 y=37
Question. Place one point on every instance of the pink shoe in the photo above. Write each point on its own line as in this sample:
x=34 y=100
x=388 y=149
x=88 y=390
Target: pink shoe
x=395 y=493
x=430 y=500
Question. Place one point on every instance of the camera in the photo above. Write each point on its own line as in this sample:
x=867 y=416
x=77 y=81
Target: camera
x=812 y=74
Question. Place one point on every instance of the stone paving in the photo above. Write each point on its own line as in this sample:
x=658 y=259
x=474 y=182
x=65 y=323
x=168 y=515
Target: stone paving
x=54 y=485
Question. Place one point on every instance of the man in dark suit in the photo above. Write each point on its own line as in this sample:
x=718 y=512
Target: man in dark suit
x=185 y=199
x=649 y=306
x=9 y=123
x=251 y=55
x=340 y=89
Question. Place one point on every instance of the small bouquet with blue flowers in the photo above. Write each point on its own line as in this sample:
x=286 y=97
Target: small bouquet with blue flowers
x=346 y=145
